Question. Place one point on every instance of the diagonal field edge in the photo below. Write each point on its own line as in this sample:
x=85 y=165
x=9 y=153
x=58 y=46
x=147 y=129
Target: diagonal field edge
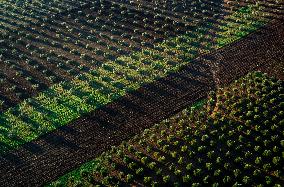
x=66 y=148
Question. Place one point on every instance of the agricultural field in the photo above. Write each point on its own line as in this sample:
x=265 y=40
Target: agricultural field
x=230 y=139
x=89 y=88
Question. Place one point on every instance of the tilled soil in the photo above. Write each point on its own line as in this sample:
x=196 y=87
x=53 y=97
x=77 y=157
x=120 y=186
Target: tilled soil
x=56 y=153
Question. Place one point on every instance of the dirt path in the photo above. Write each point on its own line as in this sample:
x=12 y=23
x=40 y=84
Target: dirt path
x=66 y=148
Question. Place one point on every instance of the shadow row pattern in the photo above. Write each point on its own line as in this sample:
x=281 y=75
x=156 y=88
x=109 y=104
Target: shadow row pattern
x=66 y=148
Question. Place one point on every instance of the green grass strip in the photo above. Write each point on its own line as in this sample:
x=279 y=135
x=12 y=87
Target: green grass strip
x=63 y=103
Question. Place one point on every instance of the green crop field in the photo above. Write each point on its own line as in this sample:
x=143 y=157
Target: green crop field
x=74 y=76
x=101 y=84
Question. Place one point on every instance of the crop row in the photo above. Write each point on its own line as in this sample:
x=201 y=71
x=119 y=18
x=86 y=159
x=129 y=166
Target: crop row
x=66 y=101
x=235 y=139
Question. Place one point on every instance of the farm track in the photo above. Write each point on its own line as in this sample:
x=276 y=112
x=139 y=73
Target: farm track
x=56 y=153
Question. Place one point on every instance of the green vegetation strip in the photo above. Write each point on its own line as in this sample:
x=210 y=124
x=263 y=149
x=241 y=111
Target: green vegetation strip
x=65 y=102
x=234 y=139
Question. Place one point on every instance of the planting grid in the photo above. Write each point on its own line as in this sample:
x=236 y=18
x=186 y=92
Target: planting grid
x=110 y=125
x=126 y=49
x=61 y=60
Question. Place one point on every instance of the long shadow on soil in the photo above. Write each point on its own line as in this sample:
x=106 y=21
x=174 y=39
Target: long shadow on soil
x=66 y=148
